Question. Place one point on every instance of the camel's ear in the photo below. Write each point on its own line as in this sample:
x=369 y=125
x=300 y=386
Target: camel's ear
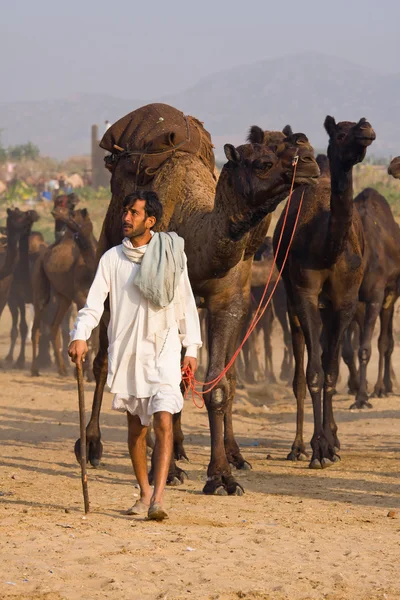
x=231 y=153
x=287 y=131
x=34 y=216
x=330 y=125
x=9 y=211
x=256 y=135
x=84 y=212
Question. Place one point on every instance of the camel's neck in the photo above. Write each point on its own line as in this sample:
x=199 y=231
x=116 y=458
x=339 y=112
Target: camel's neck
x=87 y=245
x=11 y=258
x=341 y=209
x=23 y=265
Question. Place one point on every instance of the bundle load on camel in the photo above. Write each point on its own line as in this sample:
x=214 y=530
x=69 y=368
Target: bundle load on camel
x=145 y=138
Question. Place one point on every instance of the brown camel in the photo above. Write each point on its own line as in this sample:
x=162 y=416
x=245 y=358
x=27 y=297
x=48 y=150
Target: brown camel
x=68 y=267
x=260 y=273
x=394 y=168
x=21 y=294
x=18 y=228
x=232 y=218
x=322 y=277
x=379 y=291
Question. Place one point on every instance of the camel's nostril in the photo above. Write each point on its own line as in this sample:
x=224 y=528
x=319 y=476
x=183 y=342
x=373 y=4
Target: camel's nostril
x=307 y=159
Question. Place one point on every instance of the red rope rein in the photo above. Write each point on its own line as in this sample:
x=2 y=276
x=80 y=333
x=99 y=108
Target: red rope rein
x=188 y=377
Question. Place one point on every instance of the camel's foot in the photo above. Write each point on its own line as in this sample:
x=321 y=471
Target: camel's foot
x=382 y=391
x=63 y=372
x=236 y=459
x=179 y=452
x=176 y=476
x=223 y=485
x=361 y=401
x=324 y=454
x=19 y=364
x=240 y=385
x=8 y=361
x=298 y=452
x=94 y=451
x=35 y=372
x=353 y=386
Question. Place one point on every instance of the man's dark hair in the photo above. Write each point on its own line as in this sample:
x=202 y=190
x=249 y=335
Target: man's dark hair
x=153 y=206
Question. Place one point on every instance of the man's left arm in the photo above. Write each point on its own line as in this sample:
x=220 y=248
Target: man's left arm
x=192 y=335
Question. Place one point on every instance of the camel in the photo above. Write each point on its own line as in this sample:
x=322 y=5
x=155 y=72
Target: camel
x=322 y=277
x=394 y=168
x=21 y=294
x=232 y=217
x=18 y=228
x=261 y=269
x=68 y=267
x=379 y=291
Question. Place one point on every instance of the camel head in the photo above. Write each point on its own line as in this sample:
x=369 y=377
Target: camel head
x=394 y=168
x=257 y=135
x=348 y=141
x=262 y=175
x=77 y=221
x=20 y=222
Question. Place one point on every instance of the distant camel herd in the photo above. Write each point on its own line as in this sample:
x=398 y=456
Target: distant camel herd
x=342 y=270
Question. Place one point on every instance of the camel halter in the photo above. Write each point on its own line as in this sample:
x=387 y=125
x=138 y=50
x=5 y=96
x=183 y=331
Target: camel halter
x=188 y=378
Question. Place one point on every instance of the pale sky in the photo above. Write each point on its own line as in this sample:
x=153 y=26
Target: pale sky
x=136 y=48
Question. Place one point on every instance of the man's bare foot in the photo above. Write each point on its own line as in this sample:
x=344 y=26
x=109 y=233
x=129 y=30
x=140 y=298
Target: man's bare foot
x=139 y=508
x=156 y=512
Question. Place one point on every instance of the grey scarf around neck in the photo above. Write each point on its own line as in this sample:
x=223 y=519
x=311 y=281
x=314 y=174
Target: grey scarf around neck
x=161 y=267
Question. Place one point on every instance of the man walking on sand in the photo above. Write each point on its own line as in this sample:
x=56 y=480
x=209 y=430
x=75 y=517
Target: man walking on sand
x=152 y=315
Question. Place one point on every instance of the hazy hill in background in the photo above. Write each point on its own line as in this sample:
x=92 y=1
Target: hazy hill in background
x=299 y=89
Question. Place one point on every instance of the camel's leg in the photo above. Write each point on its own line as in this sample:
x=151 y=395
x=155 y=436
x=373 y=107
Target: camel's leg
x=349 y=357
x=281 y=312
x=225 y=323
x=247 y=350
x=202 y=358
x=310 y=320
x=94 y=447
x=63 y=306
x=298 y=451
x=179 y=450
x=23 y=332
x=35 y=340
x=335 y=324
x=267 y=324
x=13 y=306
x=372 y=310
x=384 y=385
x=65 y=329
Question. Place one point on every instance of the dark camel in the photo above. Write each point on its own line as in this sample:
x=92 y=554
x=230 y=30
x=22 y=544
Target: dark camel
x=68 y=267
x=18 y=229
x=322 y=277
x=232 y=218
x=21 y=294
x=379 y=291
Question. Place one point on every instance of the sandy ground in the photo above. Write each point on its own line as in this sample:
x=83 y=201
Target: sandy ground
x=296 y=534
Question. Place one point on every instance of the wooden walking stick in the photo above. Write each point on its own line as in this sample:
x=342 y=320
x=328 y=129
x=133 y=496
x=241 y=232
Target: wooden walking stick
x=82 y=421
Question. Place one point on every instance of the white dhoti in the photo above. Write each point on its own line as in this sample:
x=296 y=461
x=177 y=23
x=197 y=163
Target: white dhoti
x=166 y=399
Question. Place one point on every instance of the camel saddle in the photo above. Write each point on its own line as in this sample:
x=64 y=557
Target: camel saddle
x=145 y=138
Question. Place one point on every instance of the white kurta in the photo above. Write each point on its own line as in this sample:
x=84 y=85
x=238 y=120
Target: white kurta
x=143 y=377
